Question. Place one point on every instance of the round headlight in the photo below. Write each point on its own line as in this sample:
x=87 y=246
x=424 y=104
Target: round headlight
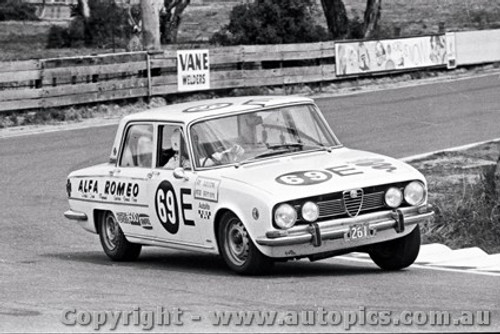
x=414 y=193
x=285 y=216
x=393 y=197
x=310 y=212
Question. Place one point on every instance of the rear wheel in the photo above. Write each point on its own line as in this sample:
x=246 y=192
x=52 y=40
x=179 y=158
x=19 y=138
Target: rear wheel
x=113 y=241
x=238 y=250
x=399 y=253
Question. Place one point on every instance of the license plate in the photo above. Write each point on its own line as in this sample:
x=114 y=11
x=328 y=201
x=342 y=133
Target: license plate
x=359 y=232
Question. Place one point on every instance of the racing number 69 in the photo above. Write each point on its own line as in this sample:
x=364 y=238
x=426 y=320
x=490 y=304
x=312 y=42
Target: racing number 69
x=166 y=207
x=304 y=178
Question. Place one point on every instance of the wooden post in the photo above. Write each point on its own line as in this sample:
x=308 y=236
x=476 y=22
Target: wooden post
x=151 y=24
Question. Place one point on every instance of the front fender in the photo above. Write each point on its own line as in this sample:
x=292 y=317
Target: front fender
x=250 y=204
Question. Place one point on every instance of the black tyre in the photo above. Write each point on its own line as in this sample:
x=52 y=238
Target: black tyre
x=399 y=253
x=238 y=250
x=113 y=241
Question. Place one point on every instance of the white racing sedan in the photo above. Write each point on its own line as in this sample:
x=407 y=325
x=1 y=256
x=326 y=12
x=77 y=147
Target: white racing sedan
x=254 y=179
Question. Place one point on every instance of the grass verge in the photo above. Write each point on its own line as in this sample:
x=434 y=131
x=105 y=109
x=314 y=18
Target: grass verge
x=464 y=187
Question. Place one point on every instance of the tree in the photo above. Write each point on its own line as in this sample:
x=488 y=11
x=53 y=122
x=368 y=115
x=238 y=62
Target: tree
x=151 y=24
x=372 y=16
x=17 y=10
x=271 y=22
x=336 y=18
x=340 y=26
x=96 y=23
x=170 y=19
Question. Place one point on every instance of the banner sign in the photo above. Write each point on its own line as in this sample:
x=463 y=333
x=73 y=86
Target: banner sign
x=390 y=54
x=193 y=70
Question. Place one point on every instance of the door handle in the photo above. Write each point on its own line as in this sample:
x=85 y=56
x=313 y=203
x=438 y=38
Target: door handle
x=114 y=171
x=153 y=173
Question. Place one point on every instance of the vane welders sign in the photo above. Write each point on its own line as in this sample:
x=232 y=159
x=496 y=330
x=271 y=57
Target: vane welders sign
x=193 y=70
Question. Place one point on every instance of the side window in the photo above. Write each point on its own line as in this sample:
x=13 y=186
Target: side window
x=138 y=147
x=172 y=148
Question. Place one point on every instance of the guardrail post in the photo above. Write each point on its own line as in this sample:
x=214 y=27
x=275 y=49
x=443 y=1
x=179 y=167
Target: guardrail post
x=397 y=31
x=442 y=28
x=148 y=70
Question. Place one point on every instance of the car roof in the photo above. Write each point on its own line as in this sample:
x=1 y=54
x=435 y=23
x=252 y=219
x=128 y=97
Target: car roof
x=189 y=111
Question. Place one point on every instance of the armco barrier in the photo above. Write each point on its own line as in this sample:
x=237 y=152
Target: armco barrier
x=45 y=83
x=478 y=47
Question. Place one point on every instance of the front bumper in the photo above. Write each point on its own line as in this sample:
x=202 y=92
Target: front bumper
x=317 y=233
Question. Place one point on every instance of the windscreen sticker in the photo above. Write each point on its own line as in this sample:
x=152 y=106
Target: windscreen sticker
x=207 y=189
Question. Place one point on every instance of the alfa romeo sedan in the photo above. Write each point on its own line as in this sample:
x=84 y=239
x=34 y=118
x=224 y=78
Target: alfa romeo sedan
x=254 y=179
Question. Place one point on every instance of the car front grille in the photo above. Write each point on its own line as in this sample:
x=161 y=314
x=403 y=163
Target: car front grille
x=349 y=207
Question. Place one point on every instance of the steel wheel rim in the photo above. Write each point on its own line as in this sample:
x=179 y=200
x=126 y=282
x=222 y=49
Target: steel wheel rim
x=237 y=244
x=111 y=230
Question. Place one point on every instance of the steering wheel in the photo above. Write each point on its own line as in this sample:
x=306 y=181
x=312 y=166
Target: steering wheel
x=218 y=149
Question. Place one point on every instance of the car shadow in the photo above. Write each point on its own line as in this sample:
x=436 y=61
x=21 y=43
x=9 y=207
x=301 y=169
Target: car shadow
x=208 y=264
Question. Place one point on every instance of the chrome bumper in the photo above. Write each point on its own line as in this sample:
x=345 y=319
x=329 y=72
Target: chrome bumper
x=74 y=215
x=315 y=233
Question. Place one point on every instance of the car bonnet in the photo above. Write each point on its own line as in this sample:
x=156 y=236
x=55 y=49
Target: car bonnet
x=309 y=174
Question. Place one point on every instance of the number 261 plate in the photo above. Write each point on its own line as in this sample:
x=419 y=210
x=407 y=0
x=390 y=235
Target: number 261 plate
x=359 y=231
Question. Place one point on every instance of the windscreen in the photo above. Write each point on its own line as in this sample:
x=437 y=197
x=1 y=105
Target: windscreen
x=260 y=134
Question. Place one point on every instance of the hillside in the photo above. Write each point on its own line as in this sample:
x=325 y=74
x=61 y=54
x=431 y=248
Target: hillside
x=22 y=40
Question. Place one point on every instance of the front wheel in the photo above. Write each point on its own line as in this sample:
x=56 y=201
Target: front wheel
x=113 y=241
x=238 y=250
x=399 y=253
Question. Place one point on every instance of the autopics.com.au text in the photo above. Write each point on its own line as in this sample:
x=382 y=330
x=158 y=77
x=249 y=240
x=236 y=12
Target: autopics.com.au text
x=163 y=317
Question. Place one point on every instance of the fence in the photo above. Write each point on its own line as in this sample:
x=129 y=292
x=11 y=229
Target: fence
x=58 y=82
x=45 y=83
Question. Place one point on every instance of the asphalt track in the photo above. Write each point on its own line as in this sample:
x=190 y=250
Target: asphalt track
x=48 y=264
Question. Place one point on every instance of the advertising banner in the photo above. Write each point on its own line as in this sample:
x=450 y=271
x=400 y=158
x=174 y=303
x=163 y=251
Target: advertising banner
x=193 y=70
x=389 y=55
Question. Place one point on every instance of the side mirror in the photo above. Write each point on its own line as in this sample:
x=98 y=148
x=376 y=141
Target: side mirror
x=180 y=173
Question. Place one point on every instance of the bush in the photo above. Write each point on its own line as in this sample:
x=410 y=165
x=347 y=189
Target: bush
x=472 y=219
x=59 y=37
x=107 y=26
x=271 y=22
x=17 y=10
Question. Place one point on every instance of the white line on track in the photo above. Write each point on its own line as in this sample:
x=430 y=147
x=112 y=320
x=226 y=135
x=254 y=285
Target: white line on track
x=451 y=149
x=41 y=129
x=419 y=266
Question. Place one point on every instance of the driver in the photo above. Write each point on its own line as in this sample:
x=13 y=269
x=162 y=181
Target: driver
x=177 y=160
x=230 y=155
